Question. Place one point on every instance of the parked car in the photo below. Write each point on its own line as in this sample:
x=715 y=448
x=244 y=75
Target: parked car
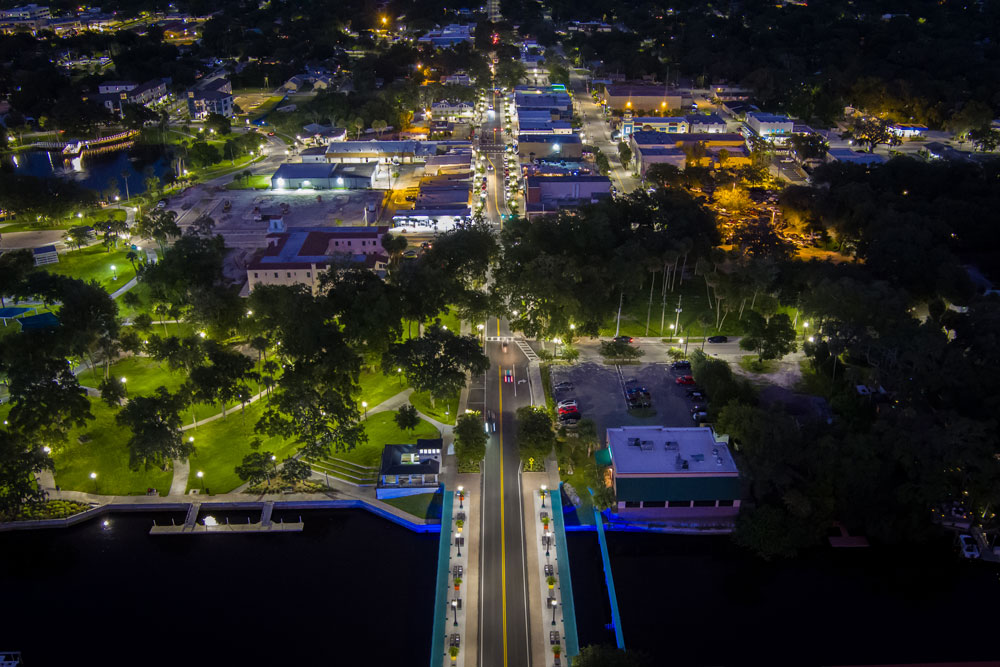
x=570 y=418
x=697 y=395
x=681 y=365
x=565 y=410
x=410 y=254
x=639 y=401
x=718 y=339
x=563 y=386
x=567 y=403
x=636 y=390
x=968 y=547
x=161 y=204
x=699 y=417
x=623 y=339
x=685 y=379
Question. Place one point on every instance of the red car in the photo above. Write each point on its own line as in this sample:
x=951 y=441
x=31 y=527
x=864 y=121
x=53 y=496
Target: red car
x=569 y=409
x=685 y=379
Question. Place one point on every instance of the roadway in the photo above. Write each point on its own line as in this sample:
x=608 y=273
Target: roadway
x=597 y=133
x=504 y=634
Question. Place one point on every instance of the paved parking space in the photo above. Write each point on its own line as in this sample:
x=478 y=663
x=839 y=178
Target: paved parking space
x=598 y=391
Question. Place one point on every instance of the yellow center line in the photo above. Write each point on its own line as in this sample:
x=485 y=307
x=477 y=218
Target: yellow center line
x=503 y=546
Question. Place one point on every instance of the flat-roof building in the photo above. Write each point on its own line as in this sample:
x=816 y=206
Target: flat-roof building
x=683 y=473
x=538 y=146
x=642 y=97
x=549 y=194
x=323 y=176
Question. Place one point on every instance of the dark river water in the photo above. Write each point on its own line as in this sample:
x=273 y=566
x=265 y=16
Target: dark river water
x=94 y=172
x=689 y=600
x=351 y=589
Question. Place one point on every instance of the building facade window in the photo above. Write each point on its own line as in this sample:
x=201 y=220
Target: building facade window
x=288 y=274
x=255 y=274
x=275 y=274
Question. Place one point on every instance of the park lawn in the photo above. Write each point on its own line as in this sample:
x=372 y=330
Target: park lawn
x=421 y=505
x=266 y=106
x=442 y=410
x=256 y=182
x=93 y=218
x=694 y=301
x=141 y=290
x=143 y=376
x=221 y=445
x=382 y=430
x=377 y=387
x=106 y=453
x=94 y=263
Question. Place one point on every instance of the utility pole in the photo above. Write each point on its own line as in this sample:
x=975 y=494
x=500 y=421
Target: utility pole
x=618 y=324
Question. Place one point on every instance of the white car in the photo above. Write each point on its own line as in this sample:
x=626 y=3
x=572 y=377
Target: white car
x=968 y=546
x=568 y=403
x=699 y=417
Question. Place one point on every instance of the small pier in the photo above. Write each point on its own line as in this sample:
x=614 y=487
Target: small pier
x=210 y=525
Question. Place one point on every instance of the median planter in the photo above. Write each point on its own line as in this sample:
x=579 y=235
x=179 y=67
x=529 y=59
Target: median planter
x=458 y=582
x=551 y=581
x=453 y=652
x=458 y=525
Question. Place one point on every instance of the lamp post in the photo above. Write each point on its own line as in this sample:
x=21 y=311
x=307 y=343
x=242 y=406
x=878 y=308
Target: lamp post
x=454 y=607
x=114 y=270
x=364 y=404
x=461 y=497
x=399 y=374
x=553 y=604
x=542 y=493
x=458 y=543
x=274 y=463
x=480 y=327
x=548 y=540
x=201 y=479
x=125 y=388
x=805 y=328
x=93 y=476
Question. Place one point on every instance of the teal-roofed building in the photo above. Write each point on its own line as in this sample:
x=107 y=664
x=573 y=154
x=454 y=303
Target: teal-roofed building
x=662 y=473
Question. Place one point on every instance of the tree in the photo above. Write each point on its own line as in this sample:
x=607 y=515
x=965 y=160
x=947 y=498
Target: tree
x=985 y=139
x=131 y=256
x=437 y=362
x=112 y=391
x=870 y=131
x=256 y=467
x=608 y=656
x=535 y=437
x=293 y=470
x=20 y=461
x=406 y=418
x=14 y=267
x=218 y=122
x=809 y=146
x=379 y=126
x=158 y=224
x=602 y=163
x=619 y=350
x=155 y=422
x=77 y=236
x=470 y=438
x=624 y=153
x=770 y=339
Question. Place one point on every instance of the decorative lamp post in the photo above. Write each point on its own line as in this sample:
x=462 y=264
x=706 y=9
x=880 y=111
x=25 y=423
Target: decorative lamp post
x=454 y=607
x=399 y=374
x=364 y=404
x=93 y=476
x=461 y=497
x=548 y=540
x=274 y=462
x=201 y=479
x=805 y=327
x=553 y=604
x=124 y=387
x=114 y=270
x=542 y=493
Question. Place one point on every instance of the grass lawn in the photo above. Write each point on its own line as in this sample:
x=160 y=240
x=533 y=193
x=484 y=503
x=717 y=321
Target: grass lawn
x=92 y=217
x=94 y=263
x=581 y=464
x=442 y=410
x=382 y=431
x=748 y=362
x=266 y=106
x=422 y=505
x=815 y=383
x=376 y=387
x=141 y=290
x=256 y=182
x=221 y=445
x=106 y=453
x=144 y=375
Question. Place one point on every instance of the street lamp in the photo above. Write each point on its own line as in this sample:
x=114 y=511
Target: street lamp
x=274 y=462
x=553 y=604
x=114 y=270
x=93 y=476
x=544 y=489
x=364 y=404
x=548 y=539
x=805 y=326
x=461 y=497
x=201 y=479
x=124 y=387
x=454 y=607
x=399 y=374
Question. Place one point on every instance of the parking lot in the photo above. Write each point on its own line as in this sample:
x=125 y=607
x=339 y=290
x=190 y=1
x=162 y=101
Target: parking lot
x=598 y=391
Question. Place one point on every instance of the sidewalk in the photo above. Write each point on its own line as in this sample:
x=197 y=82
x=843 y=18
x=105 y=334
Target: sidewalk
x=542 y=554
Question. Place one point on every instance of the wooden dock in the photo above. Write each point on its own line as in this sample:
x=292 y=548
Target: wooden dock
x=209 y=525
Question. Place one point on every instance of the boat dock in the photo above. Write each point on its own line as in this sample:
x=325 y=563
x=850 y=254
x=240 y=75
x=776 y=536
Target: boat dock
x=210 y=525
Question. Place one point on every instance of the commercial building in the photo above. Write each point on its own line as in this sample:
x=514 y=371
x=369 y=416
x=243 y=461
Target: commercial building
x=298 y=256
x=706 y=124
x=643 y=97
x=408 y=470
x=547 y=194
x=448 y=36
x=538 y=146
x=770 y=127
x=25 y=17
x=380 y=152
x=681 y=473
x=323 y=176
x=442 y=201
x=707 y=150
x=667 y=124
x=452 y=111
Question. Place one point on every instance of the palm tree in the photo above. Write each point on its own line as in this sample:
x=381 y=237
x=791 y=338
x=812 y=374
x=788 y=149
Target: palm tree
x=131 y=256
x=162 y=309
x=124 y=174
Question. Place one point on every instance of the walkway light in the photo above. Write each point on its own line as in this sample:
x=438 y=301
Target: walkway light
x=364 y=404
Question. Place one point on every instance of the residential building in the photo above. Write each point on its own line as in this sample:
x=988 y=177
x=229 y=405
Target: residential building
x=300 y=255
x=682 y=473
x=642 y=97
x=408 y=470
x=213 y=96
x=323 y=176
x=770 y=127
x=114 y=95
x=546 y=194
x=459 y=78
x=451 y=111
x=538 y=146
